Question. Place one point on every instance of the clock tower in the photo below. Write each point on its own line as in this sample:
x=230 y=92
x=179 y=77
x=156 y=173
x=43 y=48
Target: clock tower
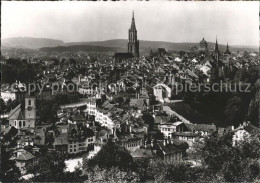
x=133 y=43
x=30 y=111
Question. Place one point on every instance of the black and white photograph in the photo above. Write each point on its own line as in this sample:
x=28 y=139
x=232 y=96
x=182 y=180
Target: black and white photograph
x=130 y=91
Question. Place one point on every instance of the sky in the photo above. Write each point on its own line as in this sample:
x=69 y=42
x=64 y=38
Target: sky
x=76 y=21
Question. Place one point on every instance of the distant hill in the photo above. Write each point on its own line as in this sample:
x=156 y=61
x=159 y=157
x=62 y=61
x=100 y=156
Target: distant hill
x=119 y=45
x=29 y=42
x=146 y=46
x=76 y=48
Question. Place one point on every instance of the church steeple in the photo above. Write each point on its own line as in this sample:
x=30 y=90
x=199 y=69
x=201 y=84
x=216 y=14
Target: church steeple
x=216 y=45
x=133 y=43
x=216 y=52
x=227 y=52
x=133 y=21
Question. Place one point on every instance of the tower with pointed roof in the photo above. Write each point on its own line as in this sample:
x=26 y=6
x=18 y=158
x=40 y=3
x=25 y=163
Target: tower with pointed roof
x=216 y=52
x=227 y=52
x=133 y=43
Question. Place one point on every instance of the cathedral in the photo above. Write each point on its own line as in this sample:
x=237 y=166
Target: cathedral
x=132 y=45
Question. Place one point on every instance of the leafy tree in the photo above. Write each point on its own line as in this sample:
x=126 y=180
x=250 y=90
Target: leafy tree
x=51 y=168
x=2 y=105
x=148 y=119
x=143 y=166
x=111 y=155
x=159 y=135
x=233 y=111
x=225 y=161
x=9 y=171
x=184 y=146
x=11 y=104
x=113 y=174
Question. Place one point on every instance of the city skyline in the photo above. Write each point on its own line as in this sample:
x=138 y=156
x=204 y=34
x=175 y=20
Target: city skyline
x=87 y=23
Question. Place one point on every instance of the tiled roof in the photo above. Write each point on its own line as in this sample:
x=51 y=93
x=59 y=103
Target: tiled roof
x=168 y=148
x=15 y=113
x=61 y=140
x=25 y=156
x=205 y=127
x=183 y=134
x=142 y=153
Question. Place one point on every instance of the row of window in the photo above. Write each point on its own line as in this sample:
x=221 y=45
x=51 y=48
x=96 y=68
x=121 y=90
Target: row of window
x=92 y=103
x=72 y=146
x=21 y=123
x=71 y=150
x=90 y=140
x=167 y=129
x=132 y=145
x=92 y=112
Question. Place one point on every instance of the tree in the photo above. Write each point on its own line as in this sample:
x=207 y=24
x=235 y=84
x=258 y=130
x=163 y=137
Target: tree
x=110 y=155
x=183 y=147
x=233 y=111
x=148 y=119
x=222 y=160
x=51 y=167
x=159 y=135
x=143 y=166
x=2 y=105
x=114 y=174
x=9 y=171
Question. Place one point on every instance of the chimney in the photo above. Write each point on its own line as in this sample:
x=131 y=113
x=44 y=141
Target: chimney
x=145 y=146
x=232 y=128
x=152 y=143
x=164 y=142
x=130 y=128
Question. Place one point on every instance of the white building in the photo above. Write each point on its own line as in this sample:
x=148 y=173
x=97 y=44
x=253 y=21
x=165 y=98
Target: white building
x=243 y=131
x=8 y=95
x=168 y=128
x=161 y=91
x=79 y=145
x=91 y=107
x=103 y=116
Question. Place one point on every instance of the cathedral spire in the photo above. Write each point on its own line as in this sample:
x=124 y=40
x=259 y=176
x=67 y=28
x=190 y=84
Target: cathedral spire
x=227 y=45
x=133 y=21
x=216 y=45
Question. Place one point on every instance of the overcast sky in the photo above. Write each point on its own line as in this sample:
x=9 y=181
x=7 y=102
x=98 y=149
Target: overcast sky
x=72 y=21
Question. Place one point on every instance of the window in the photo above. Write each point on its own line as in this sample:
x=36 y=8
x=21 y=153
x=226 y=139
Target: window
x=29 y=102
x=23 y=123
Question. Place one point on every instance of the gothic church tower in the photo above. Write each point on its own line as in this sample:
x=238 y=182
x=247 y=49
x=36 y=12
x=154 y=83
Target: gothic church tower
x=133 y=43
